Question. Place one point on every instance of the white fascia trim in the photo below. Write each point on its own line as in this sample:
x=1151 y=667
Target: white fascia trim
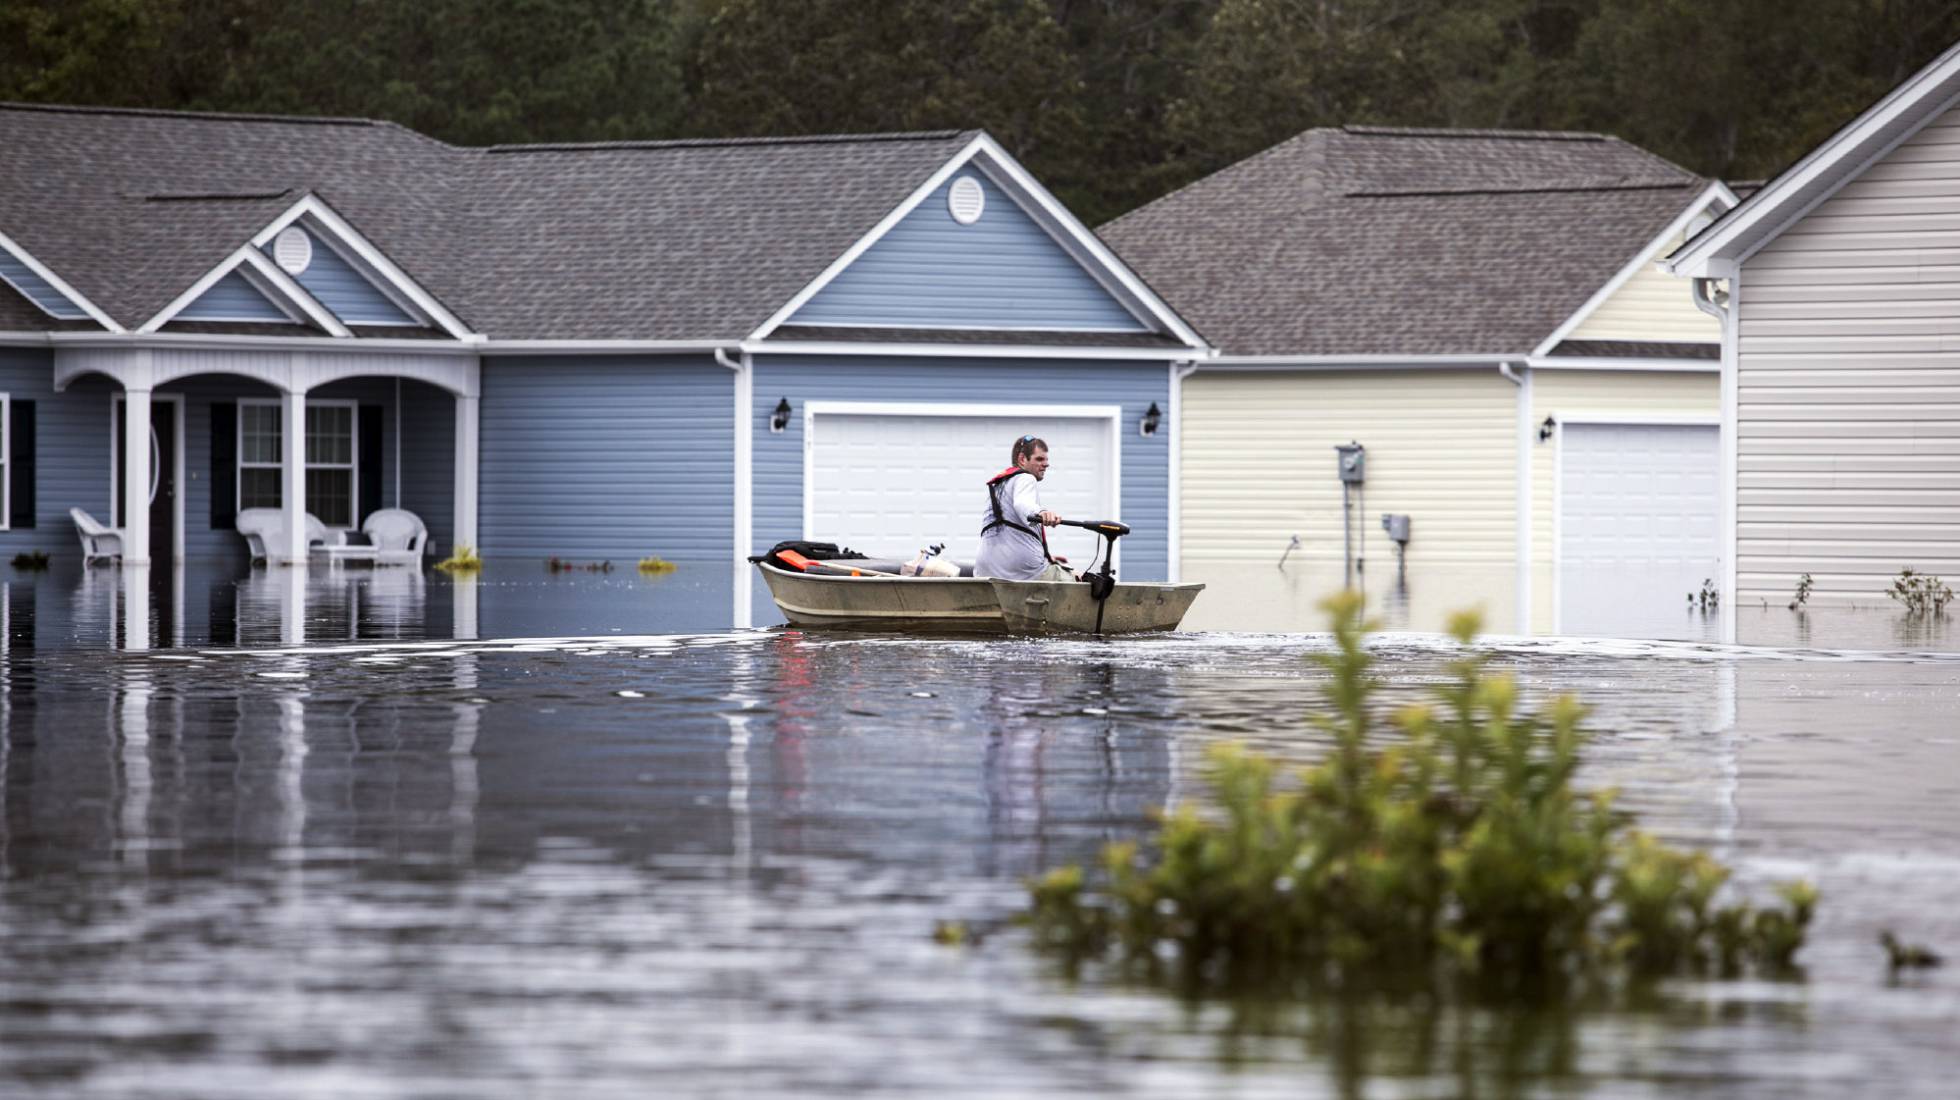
x=934 y=408
x=601 y=347
x=1578 y=362
x=1695 y=257
x=1639 y=417
x=1351 y=362
x=48 y=276
x=974 y=328
x=1016 y=179
x=325 y=218
x=251 y=258
x=960 y=351
x=193 y=341
x=1651 y=253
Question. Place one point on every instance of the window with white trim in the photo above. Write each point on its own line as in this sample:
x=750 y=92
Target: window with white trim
x=330 y=455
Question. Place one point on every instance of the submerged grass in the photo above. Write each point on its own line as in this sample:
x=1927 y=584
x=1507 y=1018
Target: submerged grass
x=1459 y=847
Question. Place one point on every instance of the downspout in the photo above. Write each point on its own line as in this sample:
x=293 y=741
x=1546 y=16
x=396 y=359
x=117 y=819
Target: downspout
x=1523 y=383
x=1175 y=552
x=744 y=368
x=1720 y=304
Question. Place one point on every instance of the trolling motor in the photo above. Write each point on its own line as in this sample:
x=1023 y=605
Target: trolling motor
x=1101 y=584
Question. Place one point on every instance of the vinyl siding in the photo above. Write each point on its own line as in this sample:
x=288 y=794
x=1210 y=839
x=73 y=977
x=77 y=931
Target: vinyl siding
x=1145 y=462
x=1259 y=464
x=428 y=460
x=606 y=458
x=1651 y=305
x=71 y=451
x=1002 y=271
x=1557 y=393
x=344 y=291
x=38 y=290
x=232 y=298
x=1849 y=384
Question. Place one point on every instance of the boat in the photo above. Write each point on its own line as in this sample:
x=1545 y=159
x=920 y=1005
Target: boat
x=864 y=593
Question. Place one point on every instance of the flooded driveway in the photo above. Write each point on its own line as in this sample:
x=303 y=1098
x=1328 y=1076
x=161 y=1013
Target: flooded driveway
x=683 y=861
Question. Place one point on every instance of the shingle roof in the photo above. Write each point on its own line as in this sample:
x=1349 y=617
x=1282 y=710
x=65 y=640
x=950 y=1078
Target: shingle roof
x=622 y=240
x=1371 y=241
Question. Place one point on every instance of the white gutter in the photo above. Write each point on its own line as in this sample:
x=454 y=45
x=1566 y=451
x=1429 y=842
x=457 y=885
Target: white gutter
x=1592 y=362
x=200 y=341
x=1175 y=562
x=744 y=368
x=1348 y=362
x=1525 y=439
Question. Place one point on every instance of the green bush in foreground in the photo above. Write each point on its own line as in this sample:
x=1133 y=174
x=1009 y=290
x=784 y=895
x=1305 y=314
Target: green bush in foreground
x=1458 y=846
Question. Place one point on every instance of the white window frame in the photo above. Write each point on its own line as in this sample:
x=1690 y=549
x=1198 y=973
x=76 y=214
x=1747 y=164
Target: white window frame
x=286 y=438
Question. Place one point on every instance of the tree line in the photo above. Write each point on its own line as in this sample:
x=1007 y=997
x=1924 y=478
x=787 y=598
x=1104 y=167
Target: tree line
x=1110 y=102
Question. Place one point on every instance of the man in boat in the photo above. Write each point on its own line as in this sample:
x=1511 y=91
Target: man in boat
x=1012 y=544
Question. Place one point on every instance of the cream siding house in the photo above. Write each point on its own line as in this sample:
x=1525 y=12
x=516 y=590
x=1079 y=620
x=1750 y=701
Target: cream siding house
x=1839 y=282
x=1346 y=278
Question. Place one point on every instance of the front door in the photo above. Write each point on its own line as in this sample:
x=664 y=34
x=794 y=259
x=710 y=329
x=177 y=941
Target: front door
x=162 y=490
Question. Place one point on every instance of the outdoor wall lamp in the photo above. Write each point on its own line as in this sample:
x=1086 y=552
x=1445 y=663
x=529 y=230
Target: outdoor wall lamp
x=1546 y=429
x=779 y=419
x=1151 y=418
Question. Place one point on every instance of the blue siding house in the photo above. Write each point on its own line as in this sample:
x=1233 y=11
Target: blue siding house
x=690 y=349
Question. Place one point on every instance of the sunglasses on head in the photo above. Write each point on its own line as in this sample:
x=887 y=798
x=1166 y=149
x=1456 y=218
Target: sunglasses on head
x=1027 y=439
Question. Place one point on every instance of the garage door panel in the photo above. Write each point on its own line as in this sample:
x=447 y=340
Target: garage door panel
x=1638 y=525
x=888 y=483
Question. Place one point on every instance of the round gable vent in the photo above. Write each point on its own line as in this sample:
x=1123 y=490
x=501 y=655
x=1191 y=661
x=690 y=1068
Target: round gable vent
x=292 y=250
x=966 y=200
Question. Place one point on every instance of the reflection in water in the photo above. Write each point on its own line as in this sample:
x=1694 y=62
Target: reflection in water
x=571 y=867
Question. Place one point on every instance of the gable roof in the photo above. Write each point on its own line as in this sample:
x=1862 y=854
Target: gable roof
x=1382 y=241
x=663 y=240
x=1818 y=174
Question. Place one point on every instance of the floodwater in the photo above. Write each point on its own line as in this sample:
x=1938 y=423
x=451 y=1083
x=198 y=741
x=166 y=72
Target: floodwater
x=310 y=844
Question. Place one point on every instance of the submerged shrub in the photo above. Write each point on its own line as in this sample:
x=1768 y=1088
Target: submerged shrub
x=1459 y=845
x=462 y=560
x=31 y=560
x=656 y=565
x=1921 y=593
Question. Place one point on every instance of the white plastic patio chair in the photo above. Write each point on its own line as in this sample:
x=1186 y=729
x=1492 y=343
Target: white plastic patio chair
x=265 y=528
x=397 y=535
x=99 y=543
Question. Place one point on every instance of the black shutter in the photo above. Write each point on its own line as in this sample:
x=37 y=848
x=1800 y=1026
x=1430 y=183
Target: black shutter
x=371 y=432
x=20 y=465
x=224 y=465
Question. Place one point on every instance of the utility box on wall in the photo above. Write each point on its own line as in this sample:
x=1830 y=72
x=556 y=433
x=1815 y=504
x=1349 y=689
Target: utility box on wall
x=1354 y=463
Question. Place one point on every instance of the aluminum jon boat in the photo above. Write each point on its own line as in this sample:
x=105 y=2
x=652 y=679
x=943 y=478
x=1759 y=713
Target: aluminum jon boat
x=863 y=594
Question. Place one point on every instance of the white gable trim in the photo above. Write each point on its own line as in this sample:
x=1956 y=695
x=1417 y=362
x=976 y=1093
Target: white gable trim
x=1716 y=192
x=1923 y=97
x=57 y=282
x=390 y=279
x=278 y=286
x=1070 y=233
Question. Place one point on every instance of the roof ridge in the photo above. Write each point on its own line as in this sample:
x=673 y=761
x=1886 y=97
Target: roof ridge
x=1541 y=189
x=1316 y=168
x=220 y=116
x=1470 y=132
x=698 y=143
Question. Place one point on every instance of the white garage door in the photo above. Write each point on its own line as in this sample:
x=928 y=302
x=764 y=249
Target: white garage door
x=1637 y=527
x=888 y=480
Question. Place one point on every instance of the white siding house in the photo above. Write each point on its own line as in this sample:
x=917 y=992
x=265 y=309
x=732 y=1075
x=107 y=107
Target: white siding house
x=1839 y=283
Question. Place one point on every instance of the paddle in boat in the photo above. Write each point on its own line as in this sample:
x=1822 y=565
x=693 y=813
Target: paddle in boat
x=814 y=589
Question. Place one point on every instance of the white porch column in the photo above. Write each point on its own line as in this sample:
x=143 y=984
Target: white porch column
x=292 y=475
x=466 y=449
x=136 y=475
